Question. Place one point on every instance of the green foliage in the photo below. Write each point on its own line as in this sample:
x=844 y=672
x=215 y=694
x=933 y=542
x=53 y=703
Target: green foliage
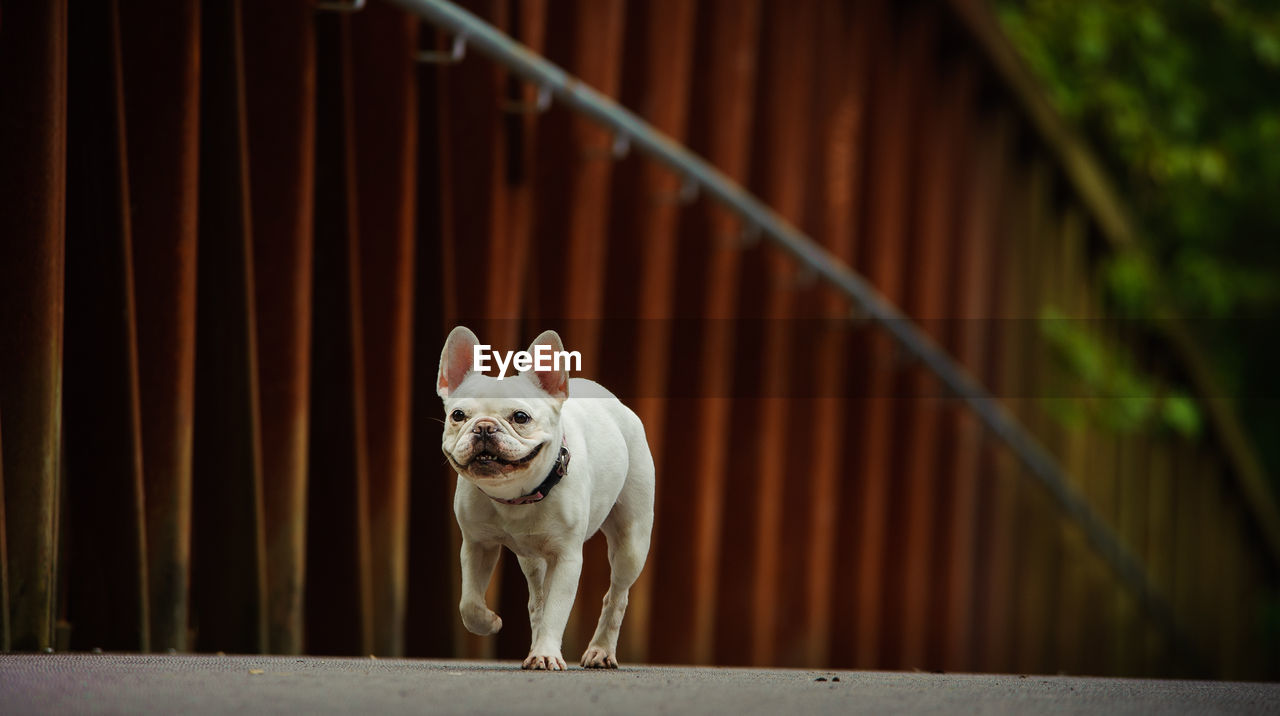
x=1181 y=100
x=1103 y=387
x=1180 y=413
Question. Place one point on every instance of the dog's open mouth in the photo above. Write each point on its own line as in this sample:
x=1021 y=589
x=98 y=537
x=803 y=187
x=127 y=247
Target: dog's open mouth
x=489 y=459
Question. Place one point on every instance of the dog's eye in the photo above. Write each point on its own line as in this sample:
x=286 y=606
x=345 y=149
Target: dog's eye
x=520 y=417
x=458 y=416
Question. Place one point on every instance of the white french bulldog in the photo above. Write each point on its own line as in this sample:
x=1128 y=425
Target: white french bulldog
x=544 y=462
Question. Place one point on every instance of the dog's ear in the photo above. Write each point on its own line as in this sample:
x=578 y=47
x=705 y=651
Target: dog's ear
x=556 y=380
x=456 y=360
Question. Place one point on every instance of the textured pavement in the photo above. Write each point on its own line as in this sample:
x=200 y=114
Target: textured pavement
x=133 y=683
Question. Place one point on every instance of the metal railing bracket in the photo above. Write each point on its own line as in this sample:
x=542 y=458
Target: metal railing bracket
x=340 y=6
x=457 y=50
x=540 y=104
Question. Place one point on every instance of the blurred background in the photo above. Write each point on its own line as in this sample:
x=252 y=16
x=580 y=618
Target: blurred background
x=233 y=237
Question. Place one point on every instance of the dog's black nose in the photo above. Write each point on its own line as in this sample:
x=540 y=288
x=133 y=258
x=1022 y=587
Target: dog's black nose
x=485 y=426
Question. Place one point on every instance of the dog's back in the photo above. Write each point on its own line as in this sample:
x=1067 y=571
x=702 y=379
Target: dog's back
x=623 y=467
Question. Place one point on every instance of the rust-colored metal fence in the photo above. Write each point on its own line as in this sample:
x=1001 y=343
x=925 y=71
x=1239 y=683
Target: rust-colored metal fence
x=233 y=236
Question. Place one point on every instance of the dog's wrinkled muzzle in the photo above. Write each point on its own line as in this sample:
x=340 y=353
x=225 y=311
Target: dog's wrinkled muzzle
x=488 y=457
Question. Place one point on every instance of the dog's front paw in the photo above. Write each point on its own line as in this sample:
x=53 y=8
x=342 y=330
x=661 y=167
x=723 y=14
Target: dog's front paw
x=597 y=658
x=544 y=662
x=480 y=620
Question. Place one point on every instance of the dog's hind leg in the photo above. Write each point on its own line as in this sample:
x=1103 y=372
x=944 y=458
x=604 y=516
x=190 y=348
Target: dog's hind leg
x=627 y=529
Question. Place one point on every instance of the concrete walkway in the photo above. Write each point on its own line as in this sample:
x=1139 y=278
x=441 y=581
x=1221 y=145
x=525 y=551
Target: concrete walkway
x=132 y=683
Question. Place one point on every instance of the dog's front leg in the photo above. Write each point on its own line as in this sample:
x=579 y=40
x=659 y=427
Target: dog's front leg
x=535 y=571
x=560 y=585
x=478 y=561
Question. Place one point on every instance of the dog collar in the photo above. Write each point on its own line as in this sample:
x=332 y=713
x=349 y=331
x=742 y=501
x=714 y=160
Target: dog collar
x=553 y=478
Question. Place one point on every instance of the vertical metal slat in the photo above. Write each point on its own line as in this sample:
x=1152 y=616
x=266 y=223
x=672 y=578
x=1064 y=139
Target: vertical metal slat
x=161 y=46
x=687 y=552
x=898 y=67
x=228 y=581
x=106 y=577
x=32 y=163
x=386 y=121
x=339 y=617
x=942 y=177
x=280 y=88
